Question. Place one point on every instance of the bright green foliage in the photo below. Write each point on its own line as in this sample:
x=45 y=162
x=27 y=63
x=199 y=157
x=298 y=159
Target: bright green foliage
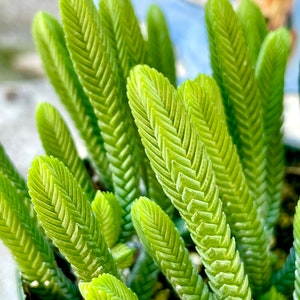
x=163 y=243
x=160 y=48
x=185 y=173
x=8 y=170
x=108 y=212
x=50 y=42
x=66 y=215
x=96 y=67
x=296 y=294
x=270 y=77
x=253 y=25
x=123 y=255
x=30 y=247
x=202 y=101
x=208 y=156
x=233 y=71
x=58 y=142
x=106 y=287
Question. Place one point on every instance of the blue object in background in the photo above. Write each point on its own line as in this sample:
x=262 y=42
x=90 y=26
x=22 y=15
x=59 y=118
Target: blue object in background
x=187 y=29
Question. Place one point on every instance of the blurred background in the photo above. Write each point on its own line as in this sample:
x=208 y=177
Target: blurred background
x=23 y=83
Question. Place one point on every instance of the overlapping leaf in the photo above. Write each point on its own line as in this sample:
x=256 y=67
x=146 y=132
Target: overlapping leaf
x=144 y=276
x=163 y=243
x=66 y=215
x=126 y=44
x=270 y=74
x=29 y=247
x=205 y=109
x=106 y=287
x=233 y=71
x=108 y=212
x=253 y=25
x=284 y=278
x=185 y=172
x=96 y=67
x=58 y=142
x=160 y=49
x=8 y=170
x=51 y=44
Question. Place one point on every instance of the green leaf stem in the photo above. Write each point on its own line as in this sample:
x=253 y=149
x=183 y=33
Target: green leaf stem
x=234 y=73
x=205 y=109
x=162 y=241
x=160 y=47
x=144 y=276
x=67 y=217
x=96 y=66
x=30 y=248
x=253 y=25
x=184 y=170
x=270 y=74
x=50 y=42
x=58 y=142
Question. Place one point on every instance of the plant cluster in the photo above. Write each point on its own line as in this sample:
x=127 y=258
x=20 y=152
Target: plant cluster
x=189 y=170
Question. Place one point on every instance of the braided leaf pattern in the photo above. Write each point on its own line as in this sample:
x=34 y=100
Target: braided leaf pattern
x=163 y=243
x=143 y=276
x=50 y=42
x=296 y=233
x=270 y=74
x=160 y=47
x=184 y=170
x=284 y=278
x=253 y=25
x=29 y=247
x=96 y=66
x=203 y=103
x=106 y=287
x=125 y=41
x=58 y=142
x=233 y=71
x=8 y=170
x=108 y=212
x=66 y=215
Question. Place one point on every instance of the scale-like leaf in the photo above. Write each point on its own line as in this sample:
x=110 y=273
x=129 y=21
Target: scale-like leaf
x=234 y=73
x=108 y=212
x=96 y=67
x=126 y=43
x=67 y=217
x=143 y=276
x=8 y=170
x=50 y=42
x=296 y=233
x=160 y=47
x=106 y=287
x=270 y=74
x=123 y=255
x=204 y=105
x=29 y=247
x=164 y=244
x=284 y=278
x=185 y=171
x=254 y=27
x=125 y=33
x=58 y=142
